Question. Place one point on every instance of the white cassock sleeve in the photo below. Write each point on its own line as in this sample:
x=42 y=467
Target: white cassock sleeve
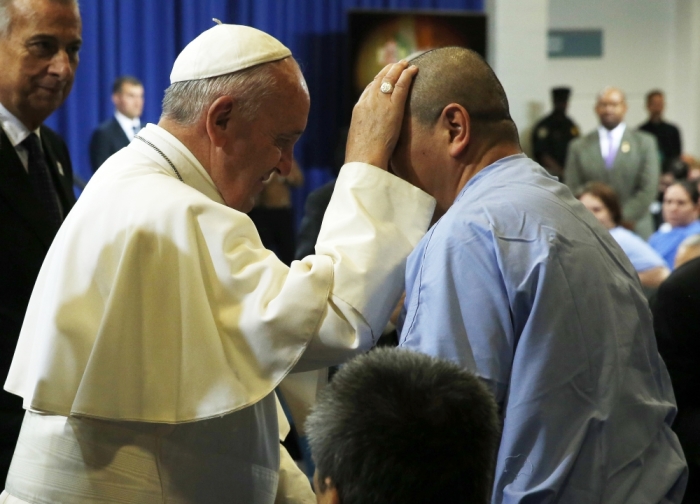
x=365 y=287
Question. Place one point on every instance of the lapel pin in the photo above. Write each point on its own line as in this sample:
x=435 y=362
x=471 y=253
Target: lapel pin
x=625 y=147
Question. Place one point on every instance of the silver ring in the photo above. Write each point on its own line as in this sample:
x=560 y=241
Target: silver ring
x=386 y=87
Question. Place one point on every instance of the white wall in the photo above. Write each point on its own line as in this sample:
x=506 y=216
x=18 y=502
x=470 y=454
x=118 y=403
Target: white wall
x=517 y=51
x=686 y=73
x=646 y=44
x=637 y=53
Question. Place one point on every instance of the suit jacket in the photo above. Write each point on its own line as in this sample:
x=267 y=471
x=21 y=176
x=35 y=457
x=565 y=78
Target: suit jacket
x=634 y=175
x=25 y=232
x=108 y=138
x=676 y=306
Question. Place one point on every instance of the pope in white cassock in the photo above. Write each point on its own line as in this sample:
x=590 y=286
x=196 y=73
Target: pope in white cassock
x=159 y=326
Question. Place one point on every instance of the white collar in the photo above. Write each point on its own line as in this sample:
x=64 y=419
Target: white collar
x=616 y=132
x=188 y=166
x=15 y=130
x=126 y=122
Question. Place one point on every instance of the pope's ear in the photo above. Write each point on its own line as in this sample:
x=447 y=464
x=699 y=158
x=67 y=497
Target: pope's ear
x=456 y=121
x=219 y=119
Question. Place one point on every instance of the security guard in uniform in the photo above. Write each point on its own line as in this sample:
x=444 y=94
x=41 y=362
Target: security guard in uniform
x=552 y=135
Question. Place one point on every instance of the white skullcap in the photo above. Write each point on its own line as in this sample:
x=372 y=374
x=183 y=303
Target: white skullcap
x=224 y=49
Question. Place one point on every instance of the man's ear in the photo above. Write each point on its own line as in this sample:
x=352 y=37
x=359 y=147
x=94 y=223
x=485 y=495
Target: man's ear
x=455 y=119
x=219 y=119
x=327 y=496
x=330 y=495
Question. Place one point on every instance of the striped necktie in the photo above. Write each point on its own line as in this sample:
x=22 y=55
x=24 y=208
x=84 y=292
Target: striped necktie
x=40 y=178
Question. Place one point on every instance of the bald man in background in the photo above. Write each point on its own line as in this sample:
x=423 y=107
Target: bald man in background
x=519 y=283
x=621 y=157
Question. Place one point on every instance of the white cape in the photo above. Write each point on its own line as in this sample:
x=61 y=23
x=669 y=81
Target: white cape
x=158 y=303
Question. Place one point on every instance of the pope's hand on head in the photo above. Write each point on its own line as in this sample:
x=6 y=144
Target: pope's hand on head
x=377 y=116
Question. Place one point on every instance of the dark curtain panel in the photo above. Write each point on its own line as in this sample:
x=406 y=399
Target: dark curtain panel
x=143 y=37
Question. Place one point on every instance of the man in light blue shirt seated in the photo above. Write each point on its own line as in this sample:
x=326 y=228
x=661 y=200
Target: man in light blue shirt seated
x=520 y=284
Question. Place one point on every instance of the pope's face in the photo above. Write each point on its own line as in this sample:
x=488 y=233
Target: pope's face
x=256 y=149
x=38 y=58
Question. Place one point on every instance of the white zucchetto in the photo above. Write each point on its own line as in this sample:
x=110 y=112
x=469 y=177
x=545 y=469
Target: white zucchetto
x=224 y=49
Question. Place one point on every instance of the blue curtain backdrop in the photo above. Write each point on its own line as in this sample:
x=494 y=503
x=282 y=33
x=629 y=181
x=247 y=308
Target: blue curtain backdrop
x=143 y=37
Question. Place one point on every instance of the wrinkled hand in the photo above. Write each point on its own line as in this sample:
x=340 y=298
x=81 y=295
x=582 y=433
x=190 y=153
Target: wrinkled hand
x=376 y=118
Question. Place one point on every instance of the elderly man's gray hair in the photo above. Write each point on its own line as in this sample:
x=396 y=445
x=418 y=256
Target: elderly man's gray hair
x=6 y=14
x=185 y=101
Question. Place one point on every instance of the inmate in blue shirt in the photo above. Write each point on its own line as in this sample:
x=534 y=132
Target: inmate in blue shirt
x=519 y=283
x=642 y=256
x=667 y=240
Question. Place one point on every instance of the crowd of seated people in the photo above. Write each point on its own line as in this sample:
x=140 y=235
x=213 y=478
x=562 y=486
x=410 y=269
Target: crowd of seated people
x=615 y=170
x=602 y=201
x=680 y=213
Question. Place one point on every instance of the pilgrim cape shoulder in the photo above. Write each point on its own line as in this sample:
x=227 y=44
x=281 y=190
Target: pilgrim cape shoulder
x=158 y=303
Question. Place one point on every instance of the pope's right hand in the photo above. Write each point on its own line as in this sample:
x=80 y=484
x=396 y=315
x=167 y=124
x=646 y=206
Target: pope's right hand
x=376 y=118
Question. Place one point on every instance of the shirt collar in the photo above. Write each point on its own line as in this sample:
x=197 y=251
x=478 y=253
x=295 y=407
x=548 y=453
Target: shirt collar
x=617 y=131
x=483 y=173
x=125 y=122
x=15 y=130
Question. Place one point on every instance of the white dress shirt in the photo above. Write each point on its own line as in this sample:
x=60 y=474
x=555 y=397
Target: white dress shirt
x=617 y=133
x=130 y=126
x=17 y=133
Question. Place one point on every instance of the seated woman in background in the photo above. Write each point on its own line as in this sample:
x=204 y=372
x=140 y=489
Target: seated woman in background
x=602 y=201
x=680 y=212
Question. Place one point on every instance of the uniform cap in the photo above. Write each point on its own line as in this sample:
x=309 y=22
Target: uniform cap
x=561 y=93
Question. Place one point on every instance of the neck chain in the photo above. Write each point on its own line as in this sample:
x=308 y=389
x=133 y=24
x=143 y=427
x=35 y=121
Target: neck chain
x=162 y=154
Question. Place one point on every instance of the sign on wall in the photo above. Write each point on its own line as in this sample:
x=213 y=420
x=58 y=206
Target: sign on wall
x=575 y=43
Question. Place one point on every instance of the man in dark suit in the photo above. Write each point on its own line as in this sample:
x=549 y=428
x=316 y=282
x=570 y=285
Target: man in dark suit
x=623 y=158
x=676 y=307
x=39 y=44
x=667 y=135
x=116 y=133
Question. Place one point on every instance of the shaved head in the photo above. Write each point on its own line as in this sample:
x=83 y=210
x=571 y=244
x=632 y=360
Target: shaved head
x=611 y=107
x=459 y=75
x=603 y=93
